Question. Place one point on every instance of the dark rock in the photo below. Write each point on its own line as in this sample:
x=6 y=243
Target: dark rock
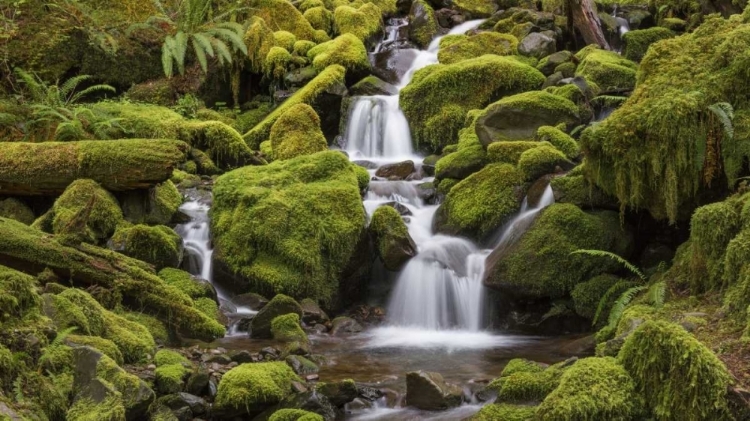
x=372 y=85
x=366 y=164
x=457 y=20
x=345 y=325
x=553 y=79
x=400 y=208
x=427 y=192
x=269 y=351
x=244 y=356
x=222 y=359
x=301 y=365
x=339 y=393
x=197 y=383
x=299 y=77
x=430 y=392
x=582 y=346
x=308 y=401
x=278 y=306
x=739 y=402
x=536 y=45
x=369 y=393
x=397 y=171
x=445 y=17
x=548 y=65
x=251 y=300
x=654 y=254
x=422 y=24
x=403 y=6
x=312 y=313
x=392 y=64
x=195 y=405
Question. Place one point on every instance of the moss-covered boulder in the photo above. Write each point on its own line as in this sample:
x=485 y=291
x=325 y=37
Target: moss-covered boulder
x=15 y=209
x=287 y=328
x=481 y=203
x=455 y=48
x=518 y=117
x=346 y=50
x=560 y=140
x=536 y=162
x=574 y=188
x=250 y=388
x=525 y=382
x=172 y=371
x=509 y=152
x=193 y=286
x=505 y=412
x=87 y=211
x=289 y=227
x=439 y=96
x=608 y=70
x=540 y=264
x=593 y=389
x=295 y=415
x=280 y=305
x=662 y=358
x=587 y=295
x=158 y=245
x=297 y=132
x=393 y=242
x=423 y=25
x=637 y=41
x=282 y=15
x=155 y=206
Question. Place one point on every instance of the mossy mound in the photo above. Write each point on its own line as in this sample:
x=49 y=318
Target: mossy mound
x=527 y=385
x=106 y=346
x=505 y=412
x=481 y=203
x=638 y=41
x=295 y=415
x=510 y=152
x=296 y=133
x=195 y=288
x=157 y=245
x=394 y=244
x=455 y=48
x=155 y=206
x=171 y=371
x=607 y=69
x=592 y=389
x=320 y=18
x=277 y=61
x=469 y=157
x=19 y=300
x=250 y=388
x=362 y=22
x=540 y=264
x=423 y=25
x=346 y=50
x=519 y=365
x=475 y=9
x=662 y=359
x=86 y=211
x=587 y=295
x=280 y=305
x=282 y=15
x=536 y=162
x=290 y=226
x=287 y=328
x=15 y=209
x=285 y=40
x=329 y=78
x=576 y=189
x=439 y=96
x=560 y=140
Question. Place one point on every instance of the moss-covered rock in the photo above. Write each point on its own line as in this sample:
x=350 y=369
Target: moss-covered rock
x=394 y=244
x=439 y=96
x=607 y=69
x=536 y=162
x=509 y=152
x=261 y=326
x=155 y=206
x=194 y=287
x=345 y=50
x=475 y=9
x=363 y=22
x=587 y=295
x=540 y=264
x=662 y=358
x=87 y=212
x=106 y=346
x=250 y=388
x=297 y=132
x=455 y=48
x=560 y=140
x=320 y=18
x=638 y=41
x=158 y=245
x=15 y=209
x=287 y=328
x=276 y=63
x=518 y=117
x=172 y=370
x=526 y=384
x=505 y=412
x=593 y=389
x=295 y=415
x=423 y=25
x=481 y=203
x=291 y=226
x=282 y=15
x=576 y=189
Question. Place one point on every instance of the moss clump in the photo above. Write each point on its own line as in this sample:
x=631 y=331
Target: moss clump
x=481 y=203
x=294 y=415
x=362 y=22
x=132 y=390
x=476 y=8
x=302 y=47
x=258 y=38
x=607 y=69
x=469 y=157
x=423 y=24
x=248 y=388
x=505 y=412
x=509 y=152
x=521 y=365
x=110 y=409
x=287 y=328
x=526 y=386
x=86 y=211
x=320 y=18
x=277 y=62
x=169 y=357
x=638 y=41
x=587 y=295
x=278 y=306
x=296 y=133
x=159 y=245
x=186 y=283
x=106 y=346
x=592 y=389
x=285 y=40
x=290 y=226
x=395 y=245
x=536 y=162
x=209 y=307
x=15 y=209
x=663 y=358
x=250 y=118
x=462 y=47
x=576 y=189
x=346 y=50
x=363 y=177
x=327 y=79
x=560 y=140
x=439 y=96
x=155 y=327
x=170 y=378
x=282 y=16
x=540 y=264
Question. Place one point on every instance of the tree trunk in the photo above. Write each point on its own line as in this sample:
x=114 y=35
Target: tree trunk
x=38 y=169
x=582 y=14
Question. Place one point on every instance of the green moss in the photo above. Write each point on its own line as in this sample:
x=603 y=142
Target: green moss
x=258 y=38
x=156 y=206
x=320 y=18
x=185 y=282
x=208 y=307
x=475 y=8
x=290 y=226
x=87 y=211
x=587 y=295
x=110 y=409
x=157 y=245
x=391 y=236
x=287 y=328
x=469 y=157
x=439 y=96
x=423 y=23
x=363 y=177
x=455 y=48
x=155 y=327
x=302 y=47
x=169 y=357
x=481 y=203
x=297 y=132
x=526 y=386
x=576 y=189
x=566 y=69
x=509 y=152
x=446 y=185
x=638 y=41
x=129 y=386
x=346 y=50
x=521 y=365
x=362 y=22
x=536 y=162
x=282 y=16
x=560 y=140
x=504 y=412
x=608 y=70
x=15 y=209
x=106 y=346
x=285 y=40
x=662 y=359
x=328 y=78
x=712 y=228
x=540 y=263
x=592 y=389
x=18 y=297
x=294 y=415
x=252 y=387
x=170 y=378
x=277 y=62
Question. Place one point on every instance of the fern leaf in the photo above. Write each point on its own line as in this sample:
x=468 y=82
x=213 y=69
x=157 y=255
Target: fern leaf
x=656 y=294
x=166 y=58
x=234 y=38
x=204 y=41
x=35 y=87
x=602 y=253
x=62 y=336
x=91 y=90
x=225 y=56
x=200 y=53
x=725 y=113
x=180 y=48
x=621 y=304
x=70 y=86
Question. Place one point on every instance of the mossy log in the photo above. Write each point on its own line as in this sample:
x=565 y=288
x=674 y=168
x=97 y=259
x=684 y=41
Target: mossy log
x=34 y=169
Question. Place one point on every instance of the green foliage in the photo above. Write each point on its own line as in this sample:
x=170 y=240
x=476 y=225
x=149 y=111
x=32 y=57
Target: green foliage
x=297 y=132
x=603 y=253
x=725 y=113
x=259 y=39
x=608 y=300
x=346 y=50
x=455 y=48
x=110 y=409
x=281 y=15
x=608 y=70
x=294 y=415
x=560 y=140
x=252 y=387
x=184 y=282
x=509 y=152
x=505 y=412
x=527 y=385
x=168 y=357
x=15 y=209
x=518 y=365
x=588 y=296
x=277 y=61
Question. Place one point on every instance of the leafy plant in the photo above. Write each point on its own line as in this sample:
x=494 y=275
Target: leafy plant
x=615 y=314
x=725 y=113
x=601 y=253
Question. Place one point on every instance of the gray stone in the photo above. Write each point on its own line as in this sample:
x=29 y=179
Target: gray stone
x=278 y=306
x=536 y=45
x=345 y=325
x=312 y=313
x=372 y=85
x=339 y=393
x=430 y=392
x=396 y=171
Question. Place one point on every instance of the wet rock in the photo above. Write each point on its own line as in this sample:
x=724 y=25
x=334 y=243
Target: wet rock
x=278 y=306
x=392 y=64
x=197 y=383
x=244 y=356
x=430 y=392
x=312 y=313
x=391 y=238
x=308 y=401
x=427 y=192
x=301 y=365
x=400 y=208
x=445 y=17
x=654 y=254
x=422 y=23
x=269 y=351
x=396 y=171
x=550 y=63
x=536 y=45
x=368 y=392
x=582 y=346
x=357 y=405
x=366 y=164
x=345 y=325
x=227 y=307
x=339 y=393
x=251 y=300
x=185 y=403
x=403 y=6
x=222 y=359
x=372 y=85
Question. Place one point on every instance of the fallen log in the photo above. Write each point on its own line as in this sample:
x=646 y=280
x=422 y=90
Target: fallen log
x=38 y=169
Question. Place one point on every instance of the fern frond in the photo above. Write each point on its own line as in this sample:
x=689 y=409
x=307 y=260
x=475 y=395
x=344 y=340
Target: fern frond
x=602 y=253
x=34 y=86
x=204 y=41
x=656 y=294
x=234 y=38
x=62 y=336
x=725 y=113
x=200 y=53
x=70 y=85
x=91 y=90
x=180 y=48
x=577 y=130
x=166 y=58
x=621 y=304
x=225 y=56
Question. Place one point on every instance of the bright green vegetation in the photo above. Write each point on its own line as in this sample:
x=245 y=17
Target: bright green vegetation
x=86 y=211
x=391 y=237
x=110 y=409
x=587 y=295
x=291 y=226
x=481 y=203
x=527 y=384
x=638 y=41
x=281 y=15
x=156 y=327
x=131 y=390
x=469 y=156
x=519 y=365
x=279 y=305
x=320 y=18
x=171 y=371
x=251 y=387
x=560 y=140
x=328 y=78
x=439 y=96
x=296 y=133
x=455 y=48
x=158 y=245
x=505 y=412
x=158 y=207
x=106 y=346
x=185 y=283
x=423 y=23
x=362 y=22
x=661 y=163
x=607 y=69
x=15 y=209
x=536 y=162
x=345 y=50
x=510 y=152
x=284 y=40
x=294 y=415
x=287 y=328
x=592 y=389
x=662 y=359
x=476 y=8
x=277 y=62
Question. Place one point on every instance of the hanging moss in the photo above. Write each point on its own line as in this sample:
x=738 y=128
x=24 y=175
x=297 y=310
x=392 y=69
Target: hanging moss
x=258 y=38
x=327 y=79
x=345 y=50
x=638 y=41
x=560 y=140
x=15 y=209
x=281 y=15
x=607 y=69
x=159 y=245
x=663 y=146
x=296 y=133
x=249 y=388
x=277 y=62
x=455 y=48
x=663 y=359
x=592 y=389
x=439 y=96
x=362 y=22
